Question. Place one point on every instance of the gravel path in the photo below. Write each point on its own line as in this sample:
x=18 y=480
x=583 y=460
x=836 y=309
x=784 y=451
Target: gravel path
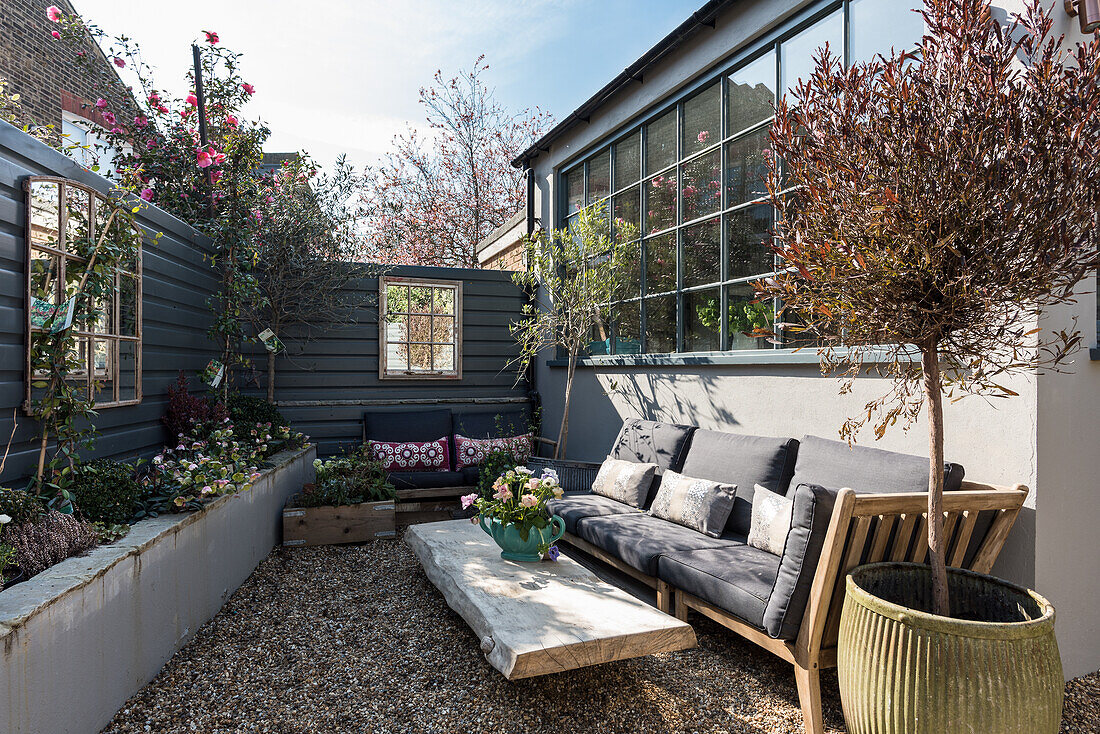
x=356 y=639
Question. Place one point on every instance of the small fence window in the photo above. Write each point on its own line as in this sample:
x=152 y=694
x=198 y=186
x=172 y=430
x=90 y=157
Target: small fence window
x=64 y=222
x=420 y=329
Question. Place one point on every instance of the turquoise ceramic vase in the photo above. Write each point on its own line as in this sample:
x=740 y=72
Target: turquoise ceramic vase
x=513 y=547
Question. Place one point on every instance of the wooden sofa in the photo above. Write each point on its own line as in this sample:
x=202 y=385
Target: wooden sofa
x=862 y=527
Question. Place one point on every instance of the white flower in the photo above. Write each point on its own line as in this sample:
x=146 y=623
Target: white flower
x=5 y=519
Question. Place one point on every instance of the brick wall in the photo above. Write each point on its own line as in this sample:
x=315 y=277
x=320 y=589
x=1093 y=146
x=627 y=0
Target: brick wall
x=513 y=257
x=42 y=70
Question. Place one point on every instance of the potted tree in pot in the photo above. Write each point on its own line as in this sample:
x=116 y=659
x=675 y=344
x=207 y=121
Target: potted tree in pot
x=930 y=208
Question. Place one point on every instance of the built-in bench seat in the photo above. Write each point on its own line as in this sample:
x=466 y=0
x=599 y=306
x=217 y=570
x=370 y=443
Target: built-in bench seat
x=851 y=505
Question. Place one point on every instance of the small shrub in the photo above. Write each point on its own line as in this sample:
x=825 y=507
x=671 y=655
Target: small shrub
x=106 y=491
x=495 y=464
x=246 y=410
x=20 y=506
x=185 y=411
x=348 y=480
x=50 y=539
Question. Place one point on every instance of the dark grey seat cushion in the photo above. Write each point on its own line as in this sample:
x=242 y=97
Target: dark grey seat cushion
x=638 y=540
x=574 y=508
x=492 y=424
x=744 y=461
x=650 y=442
x=737 y=578
x=835 y=464
x=426 y=479
x=407 y=425
x=813 y=508
x=471 y=475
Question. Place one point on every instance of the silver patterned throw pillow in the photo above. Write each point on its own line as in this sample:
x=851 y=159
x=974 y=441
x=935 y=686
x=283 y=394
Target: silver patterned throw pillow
x=699 y=504
x=771 y=520
x=625 y=481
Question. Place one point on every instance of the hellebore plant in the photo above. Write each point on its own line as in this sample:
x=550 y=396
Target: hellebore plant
x=519 y=498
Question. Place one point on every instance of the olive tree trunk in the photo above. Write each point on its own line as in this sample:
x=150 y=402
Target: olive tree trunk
x=271 y=377
x=563 y=434
x=930 y=365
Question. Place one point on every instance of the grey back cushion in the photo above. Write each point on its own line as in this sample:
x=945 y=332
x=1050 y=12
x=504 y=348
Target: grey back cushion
x=866 y=470
x=813 y=508
x=743 y=461
x=651 y=442
x=406 y=425
x=492 y=424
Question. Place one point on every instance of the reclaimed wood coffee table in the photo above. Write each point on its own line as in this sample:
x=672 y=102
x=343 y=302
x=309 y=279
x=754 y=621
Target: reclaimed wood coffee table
x=538 y=618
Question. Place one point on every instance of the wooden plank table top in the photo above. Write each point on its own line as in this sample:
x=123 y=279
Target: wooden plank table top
x=539 y=618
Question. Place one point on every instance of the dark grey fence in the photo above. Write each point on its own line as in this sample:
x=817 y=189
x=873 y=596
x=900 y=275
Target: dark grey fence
x=323 y=386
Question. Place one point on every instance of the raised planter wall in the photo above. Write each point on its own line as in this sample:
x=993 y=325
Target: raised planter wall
x=83 y=636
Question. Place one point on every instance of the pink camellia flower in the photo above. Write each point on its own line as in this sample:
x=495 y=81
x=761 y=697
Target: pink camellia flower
x=216 y=176
x=109 y=117
x=154 y=98
x=248 y=89
x=55 y=34
x=192 y=99
x=529 y=500
x=100 y=103
x=218 y=157
x=231 y=121
x=54 y=13
x=119 y=62
x=116 y=130
x=468 y=499
x=162 y=110
x=202 y=158
x=147 y=194
x=704 y=136
x=211 y=37
x=141 y=121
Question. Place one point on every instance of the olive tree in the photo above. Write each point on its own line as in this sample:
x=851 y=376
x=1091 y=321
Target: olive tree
x=931 y=206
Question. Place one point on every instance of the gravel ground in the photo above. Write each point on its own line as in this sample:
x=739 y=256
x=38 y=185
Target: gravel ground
x=356 y=639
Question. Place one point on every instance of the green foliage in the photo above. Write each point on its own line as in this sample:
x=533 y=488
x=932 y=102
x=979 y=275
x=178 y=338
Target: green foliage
x=495 y=464
x=247 y=410
x=7 y=557
x=347 y=480
x=20 y=506
x=105 y=491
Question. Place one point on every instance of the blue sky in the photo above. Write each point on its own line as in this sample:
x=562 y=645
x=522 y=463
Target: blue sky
x=343 y=75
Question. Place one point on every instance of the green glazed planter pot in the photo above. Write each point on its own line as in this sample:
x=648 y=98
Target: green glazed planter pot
x=515 y=548
x=905 y=671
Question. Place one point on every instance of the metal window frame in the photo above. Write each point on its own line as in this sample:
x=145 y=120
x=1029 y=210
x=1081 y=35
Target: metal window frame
x=384 y=372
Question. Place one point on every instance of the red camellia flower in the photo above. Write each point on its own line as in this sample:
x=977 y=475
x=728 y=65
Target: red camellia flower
x=147 y=194
x=55 y=34
x=141 y=120
x=248 y=89
x=109 y=117
x=231 y=121
x=211 y=37
x=192 y=100
x=203 y=158
x=100 y=103
x=119 y=62
x=54 y=13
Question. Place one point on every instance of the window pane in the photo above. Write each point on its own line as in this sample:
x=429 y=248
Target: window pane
x=127 y=370
x=660 y=325
x=443 y=358
x=78 y=368
x=420 y=329
x=877 y=26
x=78 y=219
x=443 y=329
x=632 y=285
x=100 y=316
x=703 y=120
x=628 y=328
x=103 y=356
x=701 y=188
x=746 y=316
x=444 y=301
x=626 y=210
x=627 y=161
x=660 y=203
x=746 y=233
x=420 y=299
x=574 y=189
x=45 y=213
x=702 y=320
x=660 y=264
x=600 y=338
x=702 y=253
x=747 y=175
x=797 y=56
x=45 y=274
x=660 y=150
x=397 y=300
x=397 y=355
x=127 y=306
x=599 y=176
x=420 y=357
x=751 y=94
x=397 y=328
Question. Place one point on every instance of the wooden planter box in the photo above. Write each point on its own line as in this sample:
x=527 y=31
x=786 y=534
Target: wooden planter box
x=331 y=525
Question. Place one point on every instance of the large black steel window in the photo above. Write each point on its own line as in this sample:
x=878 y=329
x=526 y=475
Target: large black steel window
x=691 y=179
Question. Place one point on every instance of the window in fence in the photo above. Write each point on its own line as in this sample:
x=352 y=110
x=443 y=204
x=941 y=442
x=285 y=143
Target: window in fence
x=420 y=329
x=64 y=221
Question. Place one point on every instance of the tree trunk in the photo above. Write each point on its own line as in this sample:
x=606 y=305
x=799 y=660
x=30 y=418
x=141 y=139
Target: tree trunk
x=271 y=377
x=563 y=434
x=930 y=366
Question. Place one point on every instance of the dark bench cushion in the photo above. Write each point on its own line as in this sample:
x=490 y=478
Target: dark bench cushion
x=492 y=424
x=426 y=479
x=574 y=508
x=639 y=540
x=743 y=461
x=813 y=508
x=737 y=578
x=407 y=425
x=837 y=465
x=650 y=442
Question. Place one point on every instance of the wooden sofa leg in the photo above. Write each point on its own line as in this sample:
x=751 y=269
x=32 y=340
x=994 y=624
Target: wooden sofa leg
x=664 y=597
x=681 y=607
x=808 y=681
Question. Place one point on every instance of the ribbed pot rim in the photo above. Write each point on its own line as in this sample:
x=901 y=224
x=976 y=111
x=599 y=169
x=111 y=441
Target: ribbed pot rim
x=916 y=618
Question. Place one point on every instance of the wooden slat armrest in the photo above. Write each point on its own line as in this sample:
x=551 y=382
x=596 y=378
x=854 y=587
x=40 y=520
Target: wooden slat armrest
x=546 y=441
x=957 y=501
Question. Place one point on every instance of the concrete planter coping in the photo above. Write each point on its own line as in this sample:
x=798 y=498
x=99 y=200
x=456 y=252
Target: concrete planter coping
x=83 y=636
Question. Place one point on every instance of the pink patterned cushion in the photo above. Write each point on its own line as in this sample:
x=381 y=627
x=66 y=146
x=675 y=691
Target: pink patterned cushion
x=473 y=451
x=412 y=455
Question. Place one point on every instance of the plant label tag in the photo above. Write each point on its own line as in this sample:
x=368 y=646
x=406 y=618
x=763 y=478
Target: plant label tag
x=213 y=373
x=63 y=318
x=271 y=342
x=52 y=317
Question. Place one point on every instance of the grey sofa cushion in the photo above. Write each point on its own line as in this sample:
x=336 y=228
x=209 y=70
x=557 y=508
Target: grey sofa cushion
x=574 y=508
x=650 y=442
x=835 y=464
x=813 y=508
x=492 y=424
x=638 y=540
x=406 y=425
x=737 y=578
x=426 y=479
x=744 y=461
